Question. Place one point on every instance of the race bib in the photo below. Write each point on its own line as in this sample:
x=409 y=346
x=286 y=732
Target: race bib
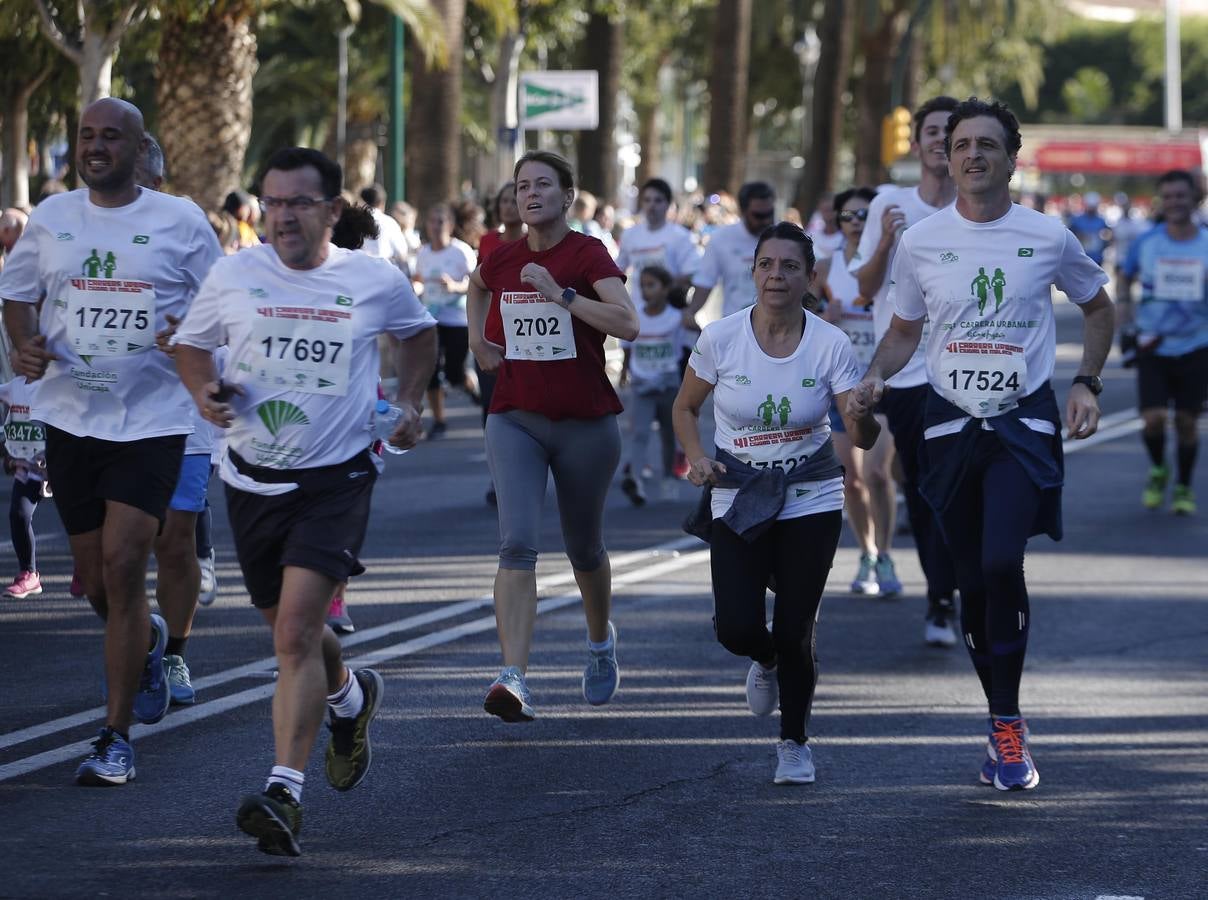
x=436 y=297
x=110 y=316
x=862 y=334
x=302 y=349
x=1181 y=280
x=654 y=357
x=24 y=439
x=983 y=379
x=536 y=329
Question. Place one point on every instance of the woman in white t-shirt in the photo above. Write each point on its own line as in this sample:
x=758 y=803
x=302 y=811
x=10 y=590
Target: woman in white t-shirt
x=775 y=510
x=442 y=273
x=24 y=456
x=871 y=492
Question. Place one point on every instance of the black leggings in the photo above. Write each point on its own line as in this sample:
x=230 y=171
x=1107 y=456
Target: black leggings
x=26 y=495
x=987 y=526
x=799 y=552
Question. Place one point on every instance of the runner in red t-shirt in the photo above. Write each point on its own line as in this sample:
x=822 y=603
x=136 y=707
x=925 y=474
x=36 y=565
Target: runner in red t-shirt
x=539 y=311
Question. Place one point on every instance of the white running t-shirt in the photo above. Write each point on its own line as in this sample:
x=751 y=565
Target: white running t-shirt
x=729 y=258
x=908 y=200
x=855 y=318
x=24 y=437
x=654 y=355
x=773 y=412
x=670 y=247
x=111 y=276
x=303 y=346
x=457 y=261
x=986 y=288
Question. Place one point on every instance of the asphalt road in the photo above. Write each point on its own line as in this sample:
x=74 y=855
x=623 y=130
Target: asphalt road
x=667 y=791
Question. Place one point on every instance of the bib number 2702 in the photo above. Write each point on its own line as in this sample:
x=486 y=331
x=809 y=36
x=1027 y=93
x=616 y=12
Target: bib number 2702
x=542 y=326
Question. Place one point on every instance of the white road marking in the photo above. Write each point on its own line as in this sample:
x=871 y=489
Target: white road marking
x=385 y=654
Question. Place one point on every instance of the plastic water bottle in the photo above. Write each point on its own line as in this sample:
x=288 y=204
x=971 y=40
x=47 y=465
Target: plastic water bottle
x=385 y=420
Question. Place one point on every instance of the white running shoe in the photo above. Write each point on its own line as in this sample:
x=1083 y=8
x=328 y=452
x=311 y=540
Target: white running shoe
x=763 y=690
x=209 y=581
x=938 y=632
x=865 y=581
x=794 y=763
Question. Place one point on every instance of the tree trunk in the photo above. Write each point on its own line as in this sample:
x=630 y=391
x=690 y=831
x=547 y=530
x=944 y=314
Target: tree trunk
x=728 y=111
x=879 y=44
x=14 y=188
x=205 y=75
x=826 y=114
x=598 y=149
x=434 y=125
x=650 y=140
x=96 y=68
x=504 y=114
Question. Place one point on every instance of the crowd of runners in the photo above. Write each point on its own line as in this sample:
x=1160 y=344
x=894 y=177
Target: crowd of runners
x=902 y=345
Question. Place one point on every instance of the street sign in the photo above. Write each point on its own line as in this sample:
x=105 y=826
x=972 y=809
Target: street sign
x=560 y=101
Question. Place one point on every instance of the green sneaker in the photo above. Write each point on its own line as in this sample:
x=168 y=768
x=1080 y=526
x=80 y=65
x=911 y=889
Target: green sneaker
x=274 y=818
x=1155 y=488
x=1183 y=502
x=349 y=753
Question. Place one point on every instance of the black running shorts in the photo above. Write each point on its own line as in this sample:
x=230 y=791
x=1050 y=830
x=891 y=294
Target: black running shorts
x=88 y=471
x=318 y=526
x=454 y=345
x=1162 y=380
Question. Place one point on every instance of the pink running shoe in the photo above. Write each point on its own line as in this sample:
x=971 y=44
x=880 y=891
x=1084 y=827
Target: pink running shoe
x=77 y=586
x=337 y=616
x=24 y=585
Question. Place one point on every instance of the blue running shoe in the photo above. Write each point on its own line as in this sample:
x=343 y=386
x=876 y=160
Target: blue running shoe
x=180 y=684
x=153 y=697
x=887 y=577
x=1013 y=767
x=509 y=697
x=601 y=677
x=110 y=762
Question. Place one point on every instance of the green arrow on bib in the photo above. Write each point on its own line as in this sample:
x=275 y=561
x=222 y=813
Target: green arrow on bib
x=323 y=382
x=558 y=350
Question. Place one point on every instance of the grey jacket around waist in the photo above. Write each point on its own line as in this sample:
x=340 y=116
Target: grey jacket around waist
x=760 y=494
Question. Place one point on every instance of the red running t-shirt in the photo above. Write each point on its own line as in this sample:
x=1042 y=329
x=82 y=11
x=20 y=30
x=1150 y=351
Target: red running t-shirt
x=557 y=389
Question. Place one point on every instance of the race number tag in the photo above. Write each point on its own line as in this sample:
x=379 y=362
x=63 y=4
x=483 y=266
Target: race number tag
x=110 y=316
x=654 y=357
x=1181 y=280
x=302 y=349
x=24 y=439
x=983 y=379
x=859 y=328
x=436 y=297
x=536 y=329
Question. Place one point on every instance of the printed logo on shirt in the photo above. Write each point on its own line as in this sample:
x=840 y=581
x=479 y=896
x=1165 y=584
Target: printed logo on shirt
x=141 y=239
x=64 y=236
x=341 y=300
x=741 y=379
x=770 y=409
x=982 y=286
x=94 y=265
x=801 y=492
x=1026 y=251
x=257 y=292
x=276 y=414
x=949 y=257
x=809 y=382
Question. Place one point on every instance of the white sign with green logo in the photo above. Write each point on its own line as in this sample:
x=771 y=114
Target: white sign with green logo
x=560 y=101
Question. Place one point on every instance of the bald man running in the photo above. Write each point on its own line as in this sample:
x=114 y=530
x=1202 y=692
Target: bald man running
x=114 y=262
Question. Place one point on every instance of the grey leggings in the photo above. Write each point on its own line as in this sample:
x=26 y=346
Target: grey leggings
x=522 y=448
x=643 y=410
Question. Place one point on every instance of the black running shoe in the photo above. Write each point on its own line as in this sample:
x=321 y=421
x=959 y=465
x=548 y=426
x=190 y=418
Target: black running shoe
x=349 y=753
x=274 y=818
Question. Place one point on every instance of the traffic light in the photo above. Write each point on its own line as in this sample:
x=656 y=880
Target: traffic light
x=896 y=134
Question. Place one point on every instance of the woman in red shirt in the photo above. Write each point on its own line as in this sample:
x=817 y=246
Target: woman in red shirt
x=539 y=311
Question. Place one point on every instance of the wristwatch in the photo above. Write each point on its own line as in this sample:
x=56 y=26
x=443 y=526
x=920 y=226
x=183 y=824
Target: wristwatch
x=1093 y=382
x=568 y=295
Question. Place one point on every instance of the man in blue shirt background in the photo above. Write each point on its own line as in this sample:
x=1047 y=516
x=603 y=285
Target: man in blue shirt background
x=1091 y=228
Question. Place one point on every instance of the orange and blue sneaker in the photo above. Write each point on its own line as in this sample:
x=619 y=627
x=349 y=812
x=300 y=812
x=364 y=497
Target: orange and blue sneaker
x=1013 y=766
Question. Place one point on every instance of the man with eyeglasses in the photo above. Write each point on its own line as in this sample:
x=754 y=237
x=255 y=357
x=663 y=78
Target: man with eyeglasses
x=301 y=318
x=730 y=254
x=891 y=213
x=114 y=263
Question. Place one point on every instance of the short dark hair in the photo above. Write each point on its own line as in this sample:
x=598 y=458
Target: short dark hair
x=972 y=108
x=754 y=190
x=234 y=200
x=1177 y=175
x=657 y=184
x=659 y=273
x=373 y=194
x=289 y=159
x=355 y=225
x=787 y=231
x=942 y=103
x=566 y=175
x=864 y=193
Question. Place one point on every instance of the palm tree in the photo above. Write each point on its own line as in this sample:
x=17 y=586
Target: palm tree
x=728 y=95
x=602 y=45
x=433 y=128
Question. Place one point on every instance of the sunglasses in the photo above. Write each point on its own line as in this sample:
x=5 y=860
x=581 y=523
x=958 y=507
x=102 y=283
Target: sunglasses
x=858 y=216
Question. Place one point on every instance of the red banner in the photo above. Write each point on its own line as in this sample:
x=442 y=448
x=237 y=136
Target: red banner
x=1116 y=157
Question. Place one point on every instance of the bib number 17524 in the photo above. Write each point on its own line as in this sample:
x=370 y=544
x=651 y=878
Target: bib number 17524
x=982 y=380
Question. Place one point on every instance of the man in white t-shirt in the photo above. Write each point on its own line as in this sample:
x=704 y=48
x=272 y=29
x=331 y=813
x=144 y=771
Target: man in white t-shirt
x=301 y=318
x=113 y=263
x=653 y=241
x=390 y=244
x=982 y=270
x=891 y=212
x=730 y=254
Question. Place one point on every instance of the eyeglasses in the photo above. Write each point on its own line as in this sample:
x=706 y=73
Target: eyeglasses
x=298 y=204
x=858 y=215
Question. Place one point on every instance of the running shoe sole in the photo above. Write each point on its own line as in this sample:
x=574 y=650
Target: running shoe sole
x=272 y=833
x=503 y=703
x=92 y=778
x=793 y=779
x=1026 y=786
x=21 y=595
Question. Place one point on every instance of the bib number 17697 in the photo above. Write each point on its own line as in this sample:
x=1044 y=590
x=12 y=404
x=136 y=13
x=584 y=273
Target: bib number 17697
x=301 y=350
